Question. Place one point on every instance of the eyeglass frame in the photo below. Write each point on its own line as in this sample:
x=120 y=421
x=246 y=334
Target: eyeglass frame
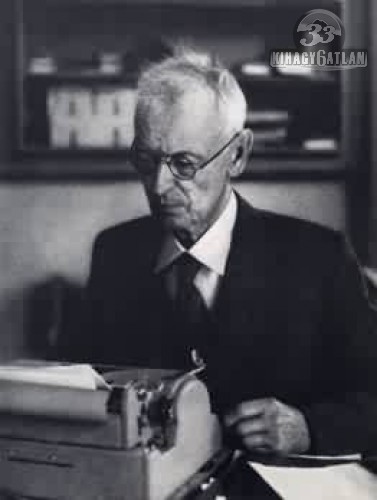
x=168 y=159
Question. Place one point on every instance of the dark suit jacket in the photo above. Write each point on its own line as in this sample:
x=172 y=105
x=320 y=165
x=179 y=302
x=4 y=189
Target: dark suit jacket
x=290 y=322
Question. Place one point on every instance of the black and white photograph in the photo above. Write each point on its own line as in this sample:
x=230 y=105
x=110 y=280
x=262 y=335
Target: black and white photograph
x=188 y=250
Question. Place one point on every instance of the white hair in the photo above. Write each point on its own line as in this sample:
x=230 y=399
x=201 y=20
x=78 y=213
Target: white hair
x=186 y=71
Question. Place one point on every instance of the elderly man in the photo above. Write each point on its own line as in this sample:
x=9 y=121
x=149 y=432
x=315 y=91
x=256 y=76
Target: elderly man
x=274 y=305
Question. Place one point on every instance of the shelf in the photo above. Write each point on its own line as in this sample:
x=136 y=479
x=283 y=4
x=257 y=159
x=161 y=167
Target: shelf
x=118 y=154
x=286 y=81
x=111 y=169
x=128 y=79
x=304 y=4
x=88 y=78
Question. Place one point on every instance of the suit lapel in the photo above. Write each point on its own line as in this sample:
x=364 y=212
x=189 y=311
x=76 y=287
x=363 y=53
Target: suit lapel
x=240 y=294
x=150 y=283
x=239 y=344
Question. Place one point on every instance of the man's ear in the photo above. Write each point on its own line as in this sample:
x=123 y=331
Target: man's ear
x=240 y=156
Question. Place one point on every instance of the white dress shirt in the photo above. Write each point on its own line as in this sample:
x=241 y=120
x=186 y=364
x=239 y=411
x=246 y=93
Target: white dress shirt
x=211 y=250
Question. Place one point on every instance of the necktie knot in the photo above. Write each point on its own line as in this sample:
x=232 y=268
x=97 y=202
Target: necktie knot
x=188 y=268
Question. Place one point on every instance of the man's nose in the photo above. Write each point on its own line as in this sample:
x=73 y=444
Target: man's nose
x=163 y=179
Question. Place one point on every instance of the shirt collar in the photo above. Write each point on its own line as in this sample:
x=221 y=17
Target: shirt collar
x=211 y=249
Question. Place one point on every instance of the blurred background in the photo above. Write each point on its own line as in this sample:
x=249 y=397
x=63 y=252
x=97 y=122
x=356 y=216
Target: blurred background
x=67 y=80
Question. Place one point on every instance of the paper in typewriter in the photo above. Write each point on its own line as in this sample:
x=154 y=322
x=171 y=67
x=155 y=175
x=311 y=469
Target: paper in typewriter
x=82 y=376
x=51 y=390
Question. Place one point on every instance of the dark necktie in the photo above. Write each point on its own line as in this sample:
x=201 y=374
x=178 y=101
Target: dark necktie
x=193 y=316
x=190 y=307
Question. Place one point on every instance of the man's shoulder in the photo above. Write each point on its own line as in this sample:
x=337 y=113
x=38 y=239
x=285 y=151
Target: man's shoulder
x=129 y=233
x=286 y=231
x=295 y=226
x=137 y=225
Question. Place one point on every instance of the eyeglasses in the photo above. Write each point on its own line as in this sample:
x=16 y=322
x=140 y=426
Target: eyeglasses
x=180 y=166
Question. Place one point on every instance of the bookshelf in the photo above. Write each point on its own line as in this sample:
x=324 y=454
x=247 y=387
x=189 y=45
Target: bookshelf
x=92 y=50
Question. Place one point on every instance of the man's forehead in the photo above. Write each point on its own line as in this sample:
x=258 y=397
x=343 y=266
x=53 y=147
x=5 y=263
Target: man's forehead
x=191 y=118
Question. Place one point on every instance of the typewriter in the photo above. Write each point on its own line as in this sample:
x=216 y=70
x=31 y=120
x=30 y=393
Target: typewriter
x=148 y=435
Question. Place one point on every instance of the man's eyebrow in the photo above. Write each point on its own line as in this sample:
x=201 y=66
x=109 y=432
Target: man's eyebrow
x=187 y=153
x=175 y=153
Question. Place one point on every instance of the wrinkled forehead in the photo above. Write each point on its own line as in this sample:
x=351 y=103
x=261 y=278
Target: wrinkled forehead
x=169 y=122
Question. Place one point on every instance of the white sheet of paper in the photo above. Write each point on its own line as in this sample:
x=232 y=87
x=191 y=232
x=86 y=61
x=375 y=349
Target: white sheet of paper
x=81 y=376
x=338 y=482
